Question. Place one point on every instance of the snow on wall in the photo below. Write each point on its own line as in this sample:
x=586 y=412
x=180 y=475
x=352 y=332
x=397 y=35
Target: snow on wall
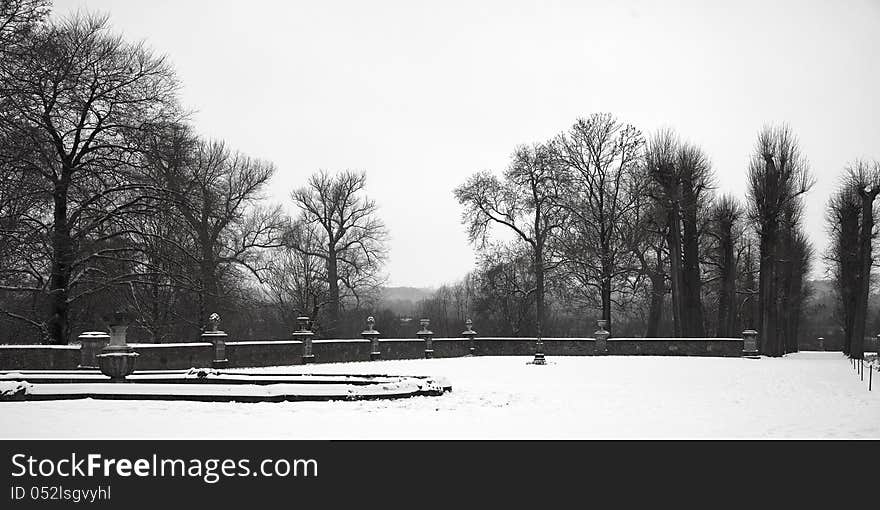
x=267 y=353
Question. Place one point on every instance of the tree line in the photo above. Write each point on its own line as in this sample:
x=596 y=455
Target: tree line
x=110 y=199
x=602 y=221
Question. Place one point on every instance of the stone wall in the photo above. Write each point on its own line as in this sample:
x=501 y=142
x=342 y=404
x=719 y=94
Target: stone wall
x=676 y=346
x=179 y=356
x=290 y=352
x=39 y=357
x=263 y=354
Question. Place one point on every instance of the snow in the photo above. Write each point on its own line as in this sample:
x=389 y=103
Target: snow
x=171 y=345
x=227 y=390
x=803 y=395
x=39 y=346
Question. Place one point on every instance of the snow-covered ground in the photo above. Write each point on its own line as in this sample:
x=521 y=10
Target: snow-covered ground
x=805 y=395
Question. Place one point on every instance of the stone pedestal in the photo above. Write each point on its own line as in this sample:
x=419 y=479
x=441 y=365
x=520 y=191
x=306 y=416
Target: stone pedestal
x=601 y=335
x=470 y=334
x=372 y=336
x=218 y=340
x=91 y=344
x=304 y=335
x=750 y=344
x=427 y=336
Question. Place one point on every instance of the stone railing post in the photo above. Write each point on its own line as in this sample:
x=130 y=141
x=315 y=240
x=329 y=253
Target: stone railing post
x=373 y=336
x=601 y=335
x=91 y=344
x=217 y=338
x=117 y=359
x=750 y=343
x=305 y=335
x=426 y=335
x=469 y=333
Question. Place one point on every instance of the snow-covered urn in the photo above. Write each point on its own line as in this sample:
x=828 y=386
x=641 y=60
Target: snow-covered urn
x=469 y=333
x=373 y=336
x=117 y=359
x=304 y=335
x=426 y=335
x=91 y=343
x=217 y=338
x=750 y=343
x=601 y=335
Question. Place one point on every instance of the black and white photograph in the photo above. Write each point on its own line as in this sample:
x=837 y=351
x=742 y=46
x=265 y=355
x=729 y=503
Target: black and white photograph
x=383 y=221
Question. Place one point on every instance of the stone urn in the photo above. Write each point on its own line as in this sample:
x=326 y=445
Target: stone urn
x=117 y=359
x=426 y=335
x=372 y=336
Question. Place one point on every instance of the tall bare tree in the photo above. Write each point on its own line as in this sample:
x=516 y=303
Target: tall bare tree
x=863 y=181
x=778 y=176
x=695 y=177
x=601 y=157
x=353 y=239
x=725 y=217
x=216 y=192
x=74 y=99
x=525 y=203
x=842 y=219
x=661 y=164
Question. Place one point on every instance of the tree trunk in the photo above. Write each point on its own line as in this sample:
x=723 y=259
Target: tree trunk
x=794 y=316
x=62 y=259
x=606 y=301
x=156 y=326
x=860 y=316
x=785 y=276
x=674 y=241
x=767 y=305
x=655 y=311
x=848 y=267
x=691 y=302
x=539 y=291
x=727 y=286
x=208 y=298
x=332 y=324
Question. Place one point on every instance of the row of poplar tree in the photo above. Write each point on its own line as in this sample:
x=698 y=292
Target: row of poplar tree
x=603 y=218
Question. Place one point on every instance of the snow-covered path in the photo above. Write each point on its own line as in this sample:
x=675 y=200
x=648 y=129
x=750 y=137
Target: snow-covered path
x=805 y=395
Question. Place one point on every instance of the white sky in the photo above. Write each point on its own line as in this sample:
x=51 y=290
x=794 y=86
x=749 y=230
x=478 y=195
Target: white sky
x=422 y=94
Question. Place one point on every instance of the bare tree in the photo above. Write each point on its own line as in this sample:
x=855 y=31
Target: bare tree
x=18 y=20
x=725 y=217
x=74 y=97
x=505 y=290
x=797 y=256
x=216 y=192
x=842 y=219
x=778 y=176
x=297 y=281
x=863 y=181
x=661 y=162
x=353 y=239
x=600 y=156
x=526 y=203
x=695 y=177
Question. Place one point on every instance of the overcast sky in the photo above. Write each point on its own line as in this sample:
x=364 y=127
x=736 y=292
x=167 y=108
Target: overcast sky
x=422 y=94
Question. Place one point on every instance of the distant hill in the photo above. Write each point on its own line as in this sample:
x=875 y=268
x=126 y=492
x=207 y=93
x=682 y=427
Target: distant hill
x=403 y=300
x=406 y=293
